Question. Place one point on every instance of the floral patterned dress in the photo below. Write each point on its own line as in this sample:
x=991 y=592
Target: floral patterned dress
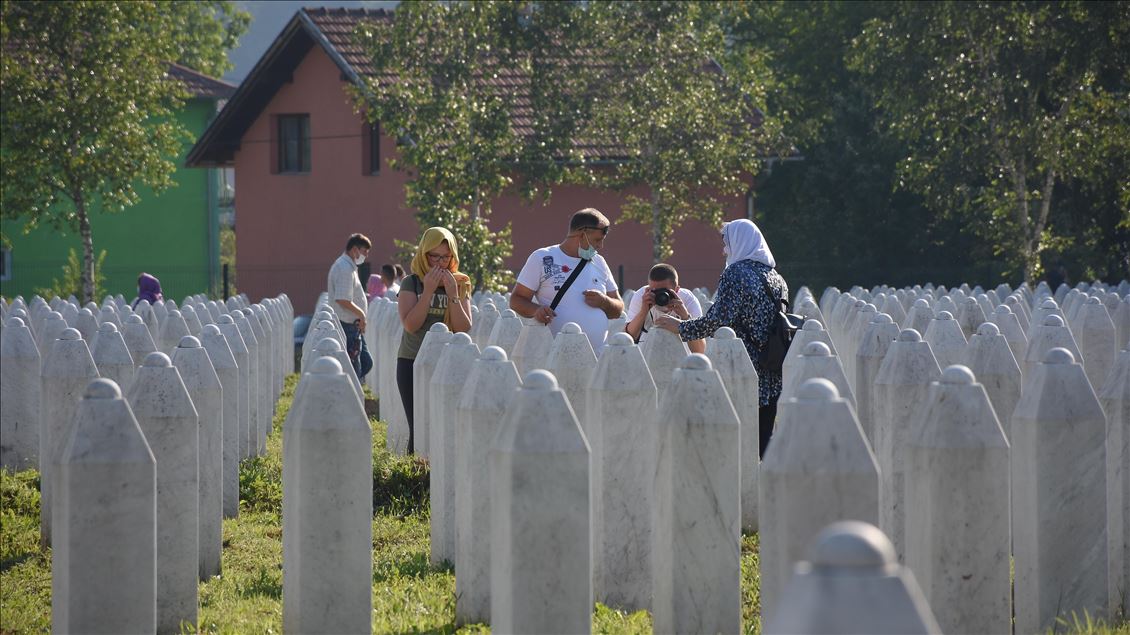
x=742 y=305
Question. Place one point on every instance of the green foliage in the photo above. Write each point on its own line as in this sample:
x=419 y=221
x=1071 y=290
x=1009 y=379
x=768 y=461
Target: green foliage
x=1000 y=103
x=87 y=109
x=71 y=283
x=691 y=130
x=204 y=31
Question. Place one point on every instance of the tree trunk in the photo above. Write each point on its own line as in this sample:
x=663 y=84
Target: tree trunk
x=87 y=250
x=656 y=231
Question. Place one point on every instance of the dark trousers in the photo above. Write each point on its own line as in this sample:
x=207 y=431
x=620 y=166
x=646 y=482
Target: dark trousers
x=357 y=350
x=404 y=383
x=766 y=415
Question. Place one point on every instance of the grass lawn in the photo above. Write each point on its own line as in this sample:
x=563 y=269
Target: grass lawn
x=409 y=595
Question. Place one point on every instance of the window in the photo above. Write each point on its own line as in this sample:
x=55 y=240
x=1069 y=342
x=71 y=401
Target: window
x=5 y=264
x=371 y=149
x=294 y=143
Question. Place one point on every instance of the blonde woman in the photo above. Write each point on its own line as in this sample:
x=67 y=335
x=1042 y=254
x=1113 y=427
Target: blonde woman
x=435 y=292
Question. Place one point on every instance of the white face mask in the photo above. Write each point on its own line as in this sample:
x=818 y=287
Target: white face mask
x=360 y=259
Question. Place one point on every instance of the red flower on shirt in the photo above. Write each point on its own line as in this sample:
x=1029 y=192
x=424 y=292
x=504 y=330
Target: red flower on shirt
x=564 y=268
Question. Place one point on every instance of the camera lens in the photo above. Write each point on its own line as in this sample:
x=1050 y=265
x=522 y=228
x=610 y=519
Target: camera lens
x=663 y=297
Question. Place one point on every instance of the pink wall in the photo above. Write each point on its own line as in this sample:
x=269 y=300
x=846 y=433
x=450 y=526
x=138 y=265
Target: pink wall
x=290 y=227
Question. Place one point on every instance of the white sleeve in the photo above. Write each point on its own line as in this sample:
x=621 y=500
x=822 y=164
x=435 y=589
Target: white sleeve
x=609 y=279
x=530 y=275
x=691 y=302
x=635 y=304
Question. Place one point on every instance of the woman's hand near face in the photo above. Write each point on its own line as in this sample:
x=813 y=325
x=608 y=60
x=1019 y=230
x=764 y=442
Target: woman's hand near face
x=449 y=284
x=432 y=280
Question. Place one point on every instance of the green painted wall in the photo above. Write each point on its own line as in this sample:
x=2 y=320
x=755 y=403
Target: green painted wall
x=172 y=235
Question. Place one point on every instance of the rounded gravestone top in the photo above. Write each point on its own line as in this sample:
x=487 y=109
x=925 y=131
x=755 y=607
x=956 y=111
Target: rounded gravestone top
x=1059 y=356
x=70 y=335
x=211 y=330
x=508 y=313
x=539 y=380
x=1094 y=300
x=175 y=312
x=439 y=327
x=882 y=318
x=970 y=301
x=571 y=328
x=248 y=312
x=20 y=313
x=817 y=389
x=86 y=311
x=623 y=339
x=53 y=315
x=921 y=303
x=107 y=327
x=724 y=333
x=1053 y=320
x=859 y=304
x=189 y=341
x=322 y=315
x=326 y=366
x=461 y=339
x=809 y=325
x=1003 y=309
x=157 y=359
x=225 y=319
x=15 y=321
x=909 y=335
x=868 y=308
x=496 y=354
x=134 y=318
x=944 y=315
x=957 y=374
x=816 y=349
x=851 y=543
x=808 y=304
x=988 y=329
x=695 y=361
x=328 y=345
x=327 y=324
x=1049 y=304
x=102 y=388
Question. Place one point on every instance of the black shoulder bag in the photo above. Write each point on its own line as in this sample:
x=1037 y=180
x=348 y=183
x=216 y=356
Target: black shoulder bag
x=568 y=283
x=782 y=329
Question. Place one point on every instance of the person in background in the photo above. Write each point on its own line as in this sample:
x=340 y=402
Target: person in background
x=148 y=288
x=435 y=292
x=400 y=275
x=392 y=278
x=382 y=283
x=662 y=296
x=591 y=301
x=348 y=301
x=749 y=296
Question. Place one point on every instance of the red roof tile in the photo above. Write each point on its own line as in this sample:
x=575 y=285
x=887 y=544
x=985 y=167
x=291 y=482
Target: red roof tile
x=199 y=84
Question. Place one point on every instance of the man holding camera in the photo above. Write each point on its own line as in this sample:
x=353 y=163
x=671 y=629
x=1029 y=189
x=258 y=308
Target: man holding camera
x=662 y=296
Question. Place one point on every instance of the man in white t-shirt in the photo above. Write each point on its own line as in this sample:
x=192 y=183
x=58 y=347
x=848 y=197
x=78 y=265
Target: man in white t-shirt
x=662 y=296
x=348 y=301
x=591 y=300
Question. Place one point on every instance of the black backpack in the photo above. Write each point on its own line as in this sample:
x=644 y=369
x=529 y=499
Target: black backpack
x=782 y=329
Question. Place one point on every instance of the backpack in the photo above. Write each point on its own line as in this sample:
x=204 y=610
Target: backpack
x=782 y=329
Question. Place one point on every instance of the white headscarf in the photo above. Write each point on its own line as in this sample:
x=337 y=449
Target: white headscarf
x=744 y=241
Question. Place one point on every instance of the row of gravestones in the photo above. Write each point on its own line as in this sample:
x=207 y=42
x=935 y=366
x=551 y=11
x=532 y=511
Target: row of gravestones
x=138 y=441
x=1039 y=430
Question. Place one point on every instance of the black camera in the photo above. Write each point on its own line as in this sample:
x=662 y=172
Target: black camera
x=663 y=296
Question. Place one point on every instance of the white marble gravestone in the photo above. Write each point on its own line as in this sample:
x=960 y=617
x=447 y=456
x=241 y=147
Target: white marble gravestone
x=66 y=371
x=20 y=386
x=1094 y=332
x=223 y=361
x=853 y=583
x=260 y=418
x=483 y=402
x=663 y=351
x=103 y=564
x=168 y=420
x=901 y=388
x=266 y=373
x=818 y=469
x=947 y=342
x=541 y=571
x=970 y=315
x=869 y=357
x=247 y=407
x=531 y=350
x=696 y=522
x=173 y=328
x=327 y=507
x=112 y=356
x=816 y=360
x=206 y=391
x=729 y=356
x=1115 y=399
x=452 y=368
x=990 y=358
x=50 y=329
x=957 y=505
x=572 y=360
x=1058 y=495
x=422 y=370
x=1050 y=333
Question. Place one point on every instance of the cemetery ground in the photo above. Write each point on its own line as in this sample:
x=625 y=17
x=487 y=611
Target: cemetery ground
x=409 y=595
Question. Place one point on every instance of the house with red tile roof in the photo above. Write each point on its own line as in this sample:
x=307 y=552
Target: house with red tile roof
x=310 y=171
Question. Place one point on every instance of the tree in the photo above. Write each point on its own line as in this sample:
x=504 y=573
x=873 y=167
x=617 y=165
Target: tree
x=87 y=109
x=449 y=79
x=999 y=103
x=691 y=130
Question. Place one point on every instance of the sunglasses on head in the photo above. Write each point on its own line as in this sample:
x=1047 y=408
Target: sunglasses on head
x=603 y=230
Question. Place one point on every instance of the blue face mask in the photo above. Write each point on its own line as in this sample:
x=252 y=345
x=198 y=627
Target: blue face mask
x=587 y=253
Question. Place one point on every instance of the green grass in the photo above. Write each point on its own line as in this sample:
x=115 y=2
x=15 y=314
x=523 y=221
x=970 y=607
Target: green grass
x=409 y=594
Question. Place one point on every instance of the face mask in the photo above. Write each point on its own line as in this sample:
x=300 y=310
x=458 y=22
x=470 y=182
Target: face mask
x=359 y=260
x=587 y=253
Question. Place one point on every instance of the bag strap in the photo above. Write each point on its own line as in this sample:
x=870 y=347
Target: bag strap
x=769 y=294
x=568 y=283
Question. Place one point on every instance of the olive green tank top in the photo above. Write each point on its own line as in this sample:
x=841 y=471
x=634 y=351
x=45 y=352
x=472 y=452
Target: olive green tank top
x=411 y=341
